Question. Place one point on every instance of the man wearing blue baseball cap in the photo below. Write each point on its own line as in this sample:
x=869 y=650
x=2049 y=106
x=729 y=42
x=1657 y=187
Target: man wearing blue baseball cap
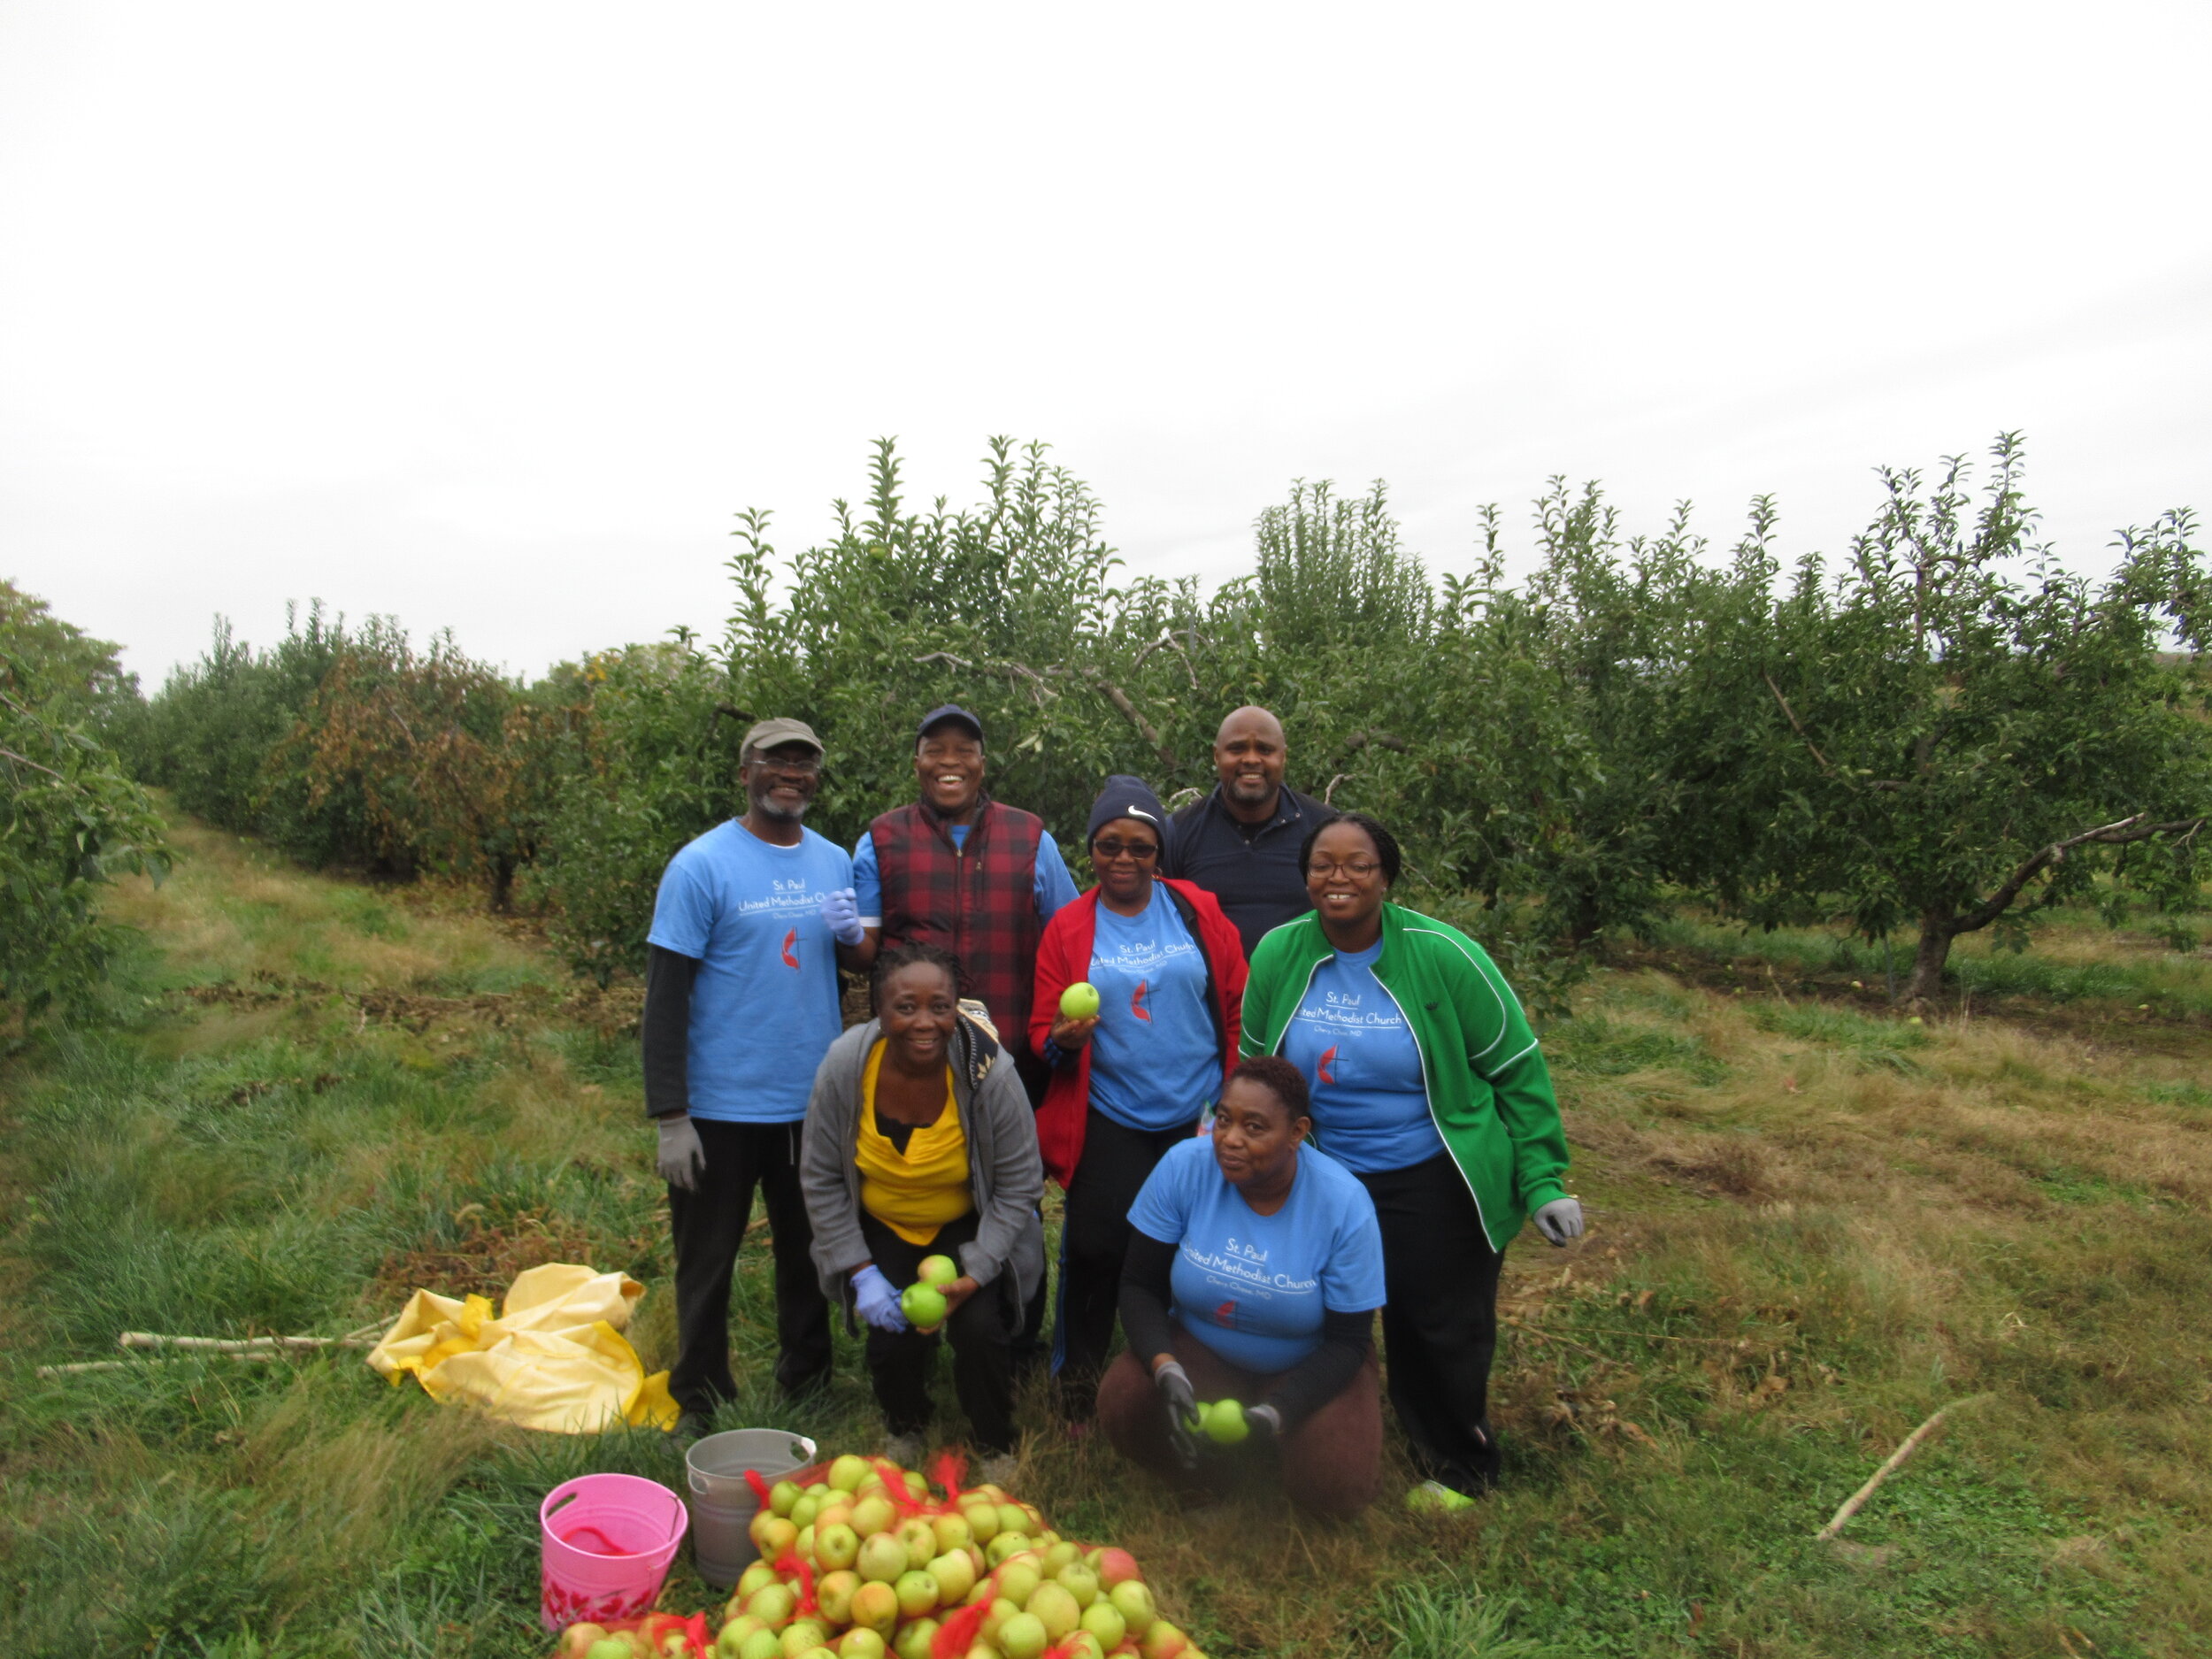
x=977 y=877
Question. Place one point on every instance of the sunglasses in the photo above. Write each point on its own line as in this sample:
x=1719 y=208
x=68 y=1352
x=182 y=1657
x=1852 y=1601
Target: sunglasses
x=1109 y=850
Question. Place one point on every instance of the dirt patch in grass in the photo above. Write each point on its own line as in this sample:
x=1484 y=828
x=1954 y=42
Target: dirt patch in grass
x=487 y=1255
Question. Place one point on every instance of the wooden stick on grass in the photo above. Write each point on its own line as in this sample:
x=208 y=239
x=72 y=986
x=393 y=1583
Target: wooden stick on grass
x=256 y=1348
x=245 y=1345
x=137 y=1364
x=1852 y=1504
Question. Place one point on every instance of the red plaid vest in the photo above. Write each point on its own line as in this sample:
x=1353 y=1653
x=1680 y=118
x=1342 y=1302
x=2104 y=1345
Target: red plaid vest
x=980 y=903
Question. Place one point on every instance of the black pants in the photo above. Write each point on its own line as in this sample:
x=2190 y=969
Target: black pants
x=1029 y=1348
x=982 y=1333
x=1440 y=1323
x=1093 y=1239
x=709 y=1225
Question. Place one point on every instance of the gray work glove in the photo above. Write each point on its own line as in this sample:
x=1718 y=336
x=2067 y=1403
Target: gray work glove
x=1173 y=1382
x=1265 y=1422
x=1560 y=1220
x=682 y=1159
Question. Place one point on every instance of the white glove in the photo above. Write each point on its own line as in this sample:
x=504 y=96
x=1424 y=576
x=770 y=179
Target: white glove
x=842 y=914
x=682 y=1159
x=877 y=1302
x=1560 y=1220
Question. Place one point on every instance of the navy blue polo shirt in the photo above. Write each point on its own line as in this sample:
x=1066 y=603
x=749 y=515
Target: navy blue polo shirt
x=1251 y=869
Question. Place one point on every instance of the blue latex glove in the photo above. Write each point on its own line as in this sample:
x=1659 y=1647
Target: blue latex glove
x=1560 y=1220
x=842 y=914
x=877 y=1302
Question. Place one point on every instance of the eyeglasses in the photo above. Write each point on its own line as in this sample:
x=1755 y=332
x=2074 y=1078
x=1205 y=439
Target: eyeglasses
x=1139 y=850
x=805 y=766
x=1358 y=869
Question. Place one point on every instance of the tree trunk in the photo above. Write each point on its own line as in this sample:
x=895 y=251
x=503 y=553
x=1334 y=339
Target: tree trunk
x=1938 y=928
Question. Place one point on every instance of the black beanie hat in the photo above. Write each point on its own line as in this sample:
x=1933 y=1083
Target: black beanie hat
x=1124 y=797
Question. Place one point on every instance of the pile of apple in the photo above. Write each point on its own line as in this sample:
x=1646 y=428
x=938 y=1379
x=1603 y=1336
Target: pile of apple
x=866 y=1564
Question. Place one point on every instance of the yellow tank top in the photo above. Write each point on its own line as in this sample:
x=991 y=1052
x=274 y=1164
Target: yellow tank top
x=916 y=1191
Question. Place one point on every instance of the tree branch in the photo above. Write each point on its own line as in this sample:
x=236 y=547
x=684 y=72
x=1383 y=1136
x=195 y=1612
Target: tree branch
x=1167 y=637
x=10 y=754
x=1119 y=698
x=1381 y=740
x=1797 y=725
x=2119 y=833
x=1038 y=690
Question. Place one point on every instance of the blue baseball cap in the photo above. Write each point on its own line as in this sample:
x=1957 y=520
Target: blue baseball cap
x=950 y=711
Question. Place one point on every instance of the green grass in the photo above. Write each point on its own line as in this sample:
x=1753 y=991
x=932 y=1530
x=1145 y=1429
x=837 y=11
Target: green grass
x=1812 y=1226
x=2074 y=959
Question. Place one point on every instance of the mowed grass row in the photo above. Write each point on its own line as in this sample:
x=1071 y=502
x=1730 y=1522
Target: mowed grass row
x=1813 y=1225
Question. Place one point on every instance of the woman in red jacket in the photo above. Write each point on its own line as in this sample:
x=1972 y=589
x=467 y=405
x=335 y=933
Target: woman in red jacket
x=1133 y=1078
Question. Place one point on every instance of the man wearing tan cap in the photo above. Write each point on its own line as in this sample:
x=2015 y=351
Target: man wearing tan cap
x=741 y=1005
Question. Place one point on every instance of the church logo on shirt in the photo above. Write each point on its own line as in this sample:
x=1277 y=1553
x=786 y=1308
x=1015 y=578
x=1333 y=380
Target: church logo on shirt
x=1325 y=1067
x=1136 y=1002
x=1226 y=1314
x=790 y=948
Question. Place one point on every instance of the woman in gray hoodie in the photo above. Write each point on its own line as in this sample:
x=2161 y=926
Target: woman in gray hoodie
x=919 y=1141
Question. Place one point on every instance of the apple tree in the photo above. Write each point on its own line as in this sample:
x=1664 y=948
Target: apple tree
x=1954 y=722
x=71 y=818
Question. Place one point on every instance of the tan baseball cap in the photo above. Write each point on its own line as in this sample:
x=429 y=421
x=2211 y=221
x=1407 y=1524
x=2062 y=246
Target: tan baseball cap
x=769 y=733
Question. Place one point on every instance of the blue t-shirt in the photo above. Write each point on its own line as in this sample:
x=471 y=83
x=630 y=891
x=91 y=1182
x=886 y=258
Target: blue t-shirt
x=1371 y=1106
x=1155 y=1061
x=764 y=1005
x=1052 y=886
x=1254 y=1288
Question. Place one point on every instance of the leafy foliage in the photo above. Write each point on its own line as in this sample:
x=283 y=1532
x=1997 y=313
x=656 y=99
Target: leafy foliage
x=69 y=817
x=1953 y=716
x=1941 y=724
x=437 y=754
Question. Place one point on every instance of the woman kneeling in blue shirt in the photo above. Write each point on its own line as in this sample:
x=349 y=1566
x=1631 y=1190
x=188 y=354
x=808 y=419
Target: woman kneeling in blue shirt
x=1254 y=1271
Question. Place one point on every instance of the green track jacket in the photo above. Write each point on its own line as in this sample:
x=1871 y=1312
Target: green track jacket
x=1489 y=1091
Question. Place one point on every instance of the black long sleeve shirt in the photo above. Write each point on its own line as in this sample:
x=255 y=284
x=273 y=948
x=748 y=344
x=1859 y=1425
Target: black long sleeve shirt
x=1315 y=1380
x=664 y=1030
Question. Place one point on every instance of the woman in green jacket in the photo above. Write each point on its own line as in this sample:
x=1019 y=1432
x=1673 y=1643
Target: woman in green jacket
x=1428 y=1085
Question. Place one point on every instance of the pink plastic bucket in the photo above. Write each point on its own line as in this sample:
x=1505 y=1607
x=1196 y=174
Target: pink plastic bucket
x=606 y=1544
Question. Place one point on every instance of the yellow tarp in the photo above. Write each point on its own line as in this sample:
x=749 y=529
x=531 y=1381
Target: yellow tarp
x=554 y=1359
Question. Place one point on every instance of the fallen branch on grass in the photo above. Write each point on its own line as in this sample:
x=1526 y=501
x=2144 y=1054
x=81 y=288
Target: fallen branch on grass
x=75 y=1366
x=251 y=1348
x=364 y=1338
x=1852 y=1504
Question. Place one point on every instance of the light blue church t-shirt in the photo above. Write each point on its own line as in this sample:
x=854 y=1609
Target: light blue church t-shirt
x=1371 y=1103
x=764 y=1005
x=1156 y=1062
x=1254 y=1288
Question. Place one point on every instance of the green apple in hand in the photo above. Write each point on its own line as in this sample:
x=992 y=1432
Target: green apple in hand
x=1224 y=1423
x=937 y=1271
x=1080 y=1000
x=923 y=1305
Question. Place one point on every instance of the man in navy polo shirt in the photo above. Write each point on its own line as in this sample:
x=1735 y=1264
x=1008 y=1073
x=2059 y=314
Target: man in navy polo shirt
x=741 y=1005
x=1241 y=843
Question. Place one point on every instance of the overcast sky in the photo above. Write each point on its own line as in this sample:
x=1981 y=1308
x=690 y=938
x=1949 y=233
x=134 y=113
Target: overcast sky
x=491 y=316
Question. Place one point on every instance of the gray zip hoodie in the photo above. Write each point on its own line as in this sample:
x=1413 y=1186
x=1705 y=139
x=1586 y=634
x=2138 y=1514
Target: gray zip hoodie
x=1005 y=1175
